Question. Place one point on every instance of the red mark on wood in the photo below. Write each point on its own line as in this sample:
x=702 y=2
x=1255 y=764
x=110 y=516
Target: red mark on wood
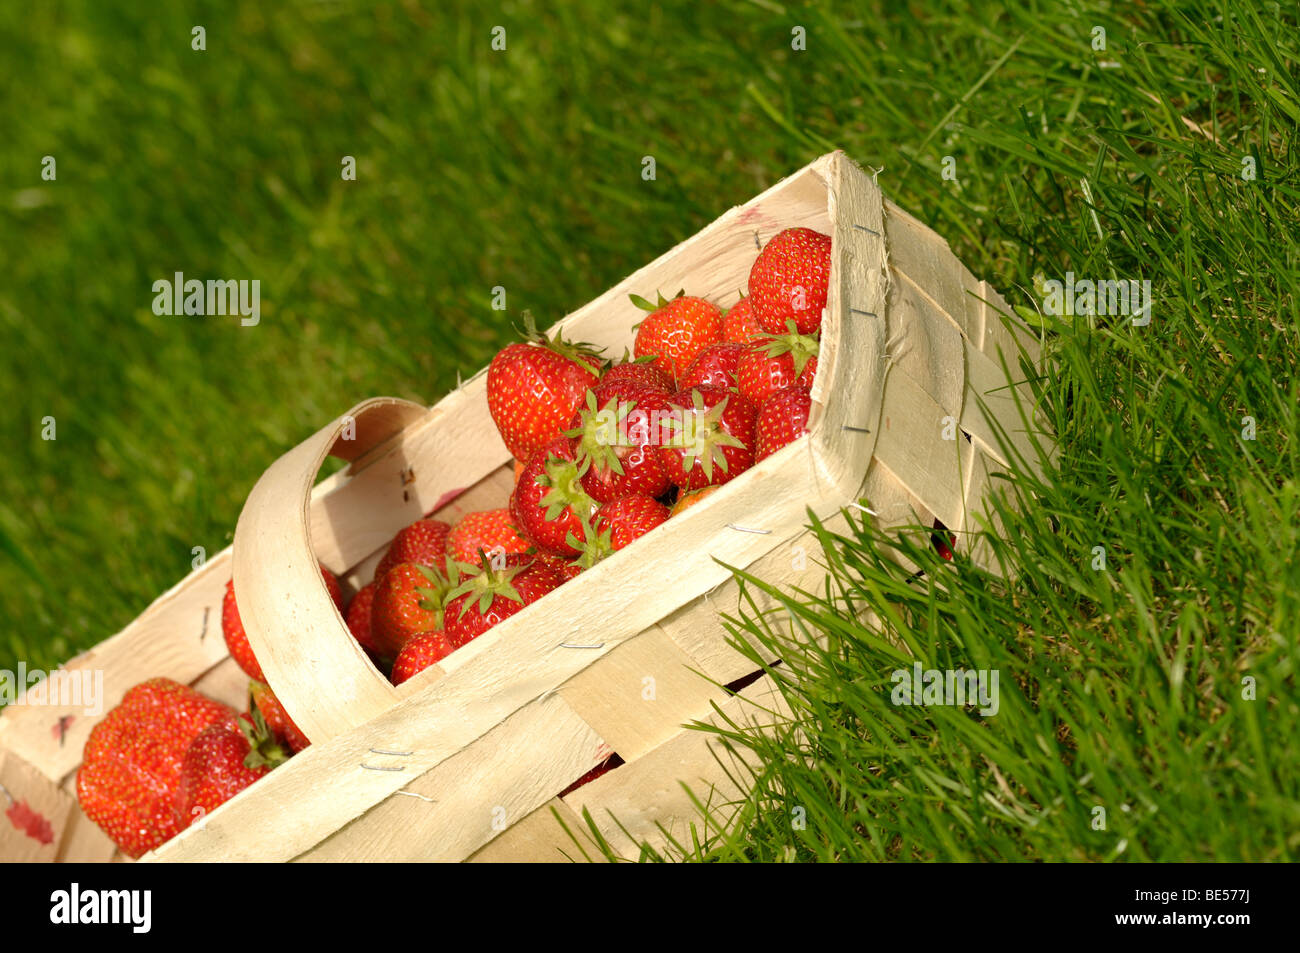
x=446 y=498
x=750 y=215
x=60 y=728
x=31 y=823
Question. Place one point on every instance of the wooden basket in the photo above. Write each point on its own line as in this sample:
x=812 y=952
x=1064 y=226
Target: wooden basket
x=912 y=415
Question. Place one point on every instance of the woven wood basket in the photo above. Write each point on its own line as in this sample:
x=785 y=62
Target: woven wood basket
x=912 y=415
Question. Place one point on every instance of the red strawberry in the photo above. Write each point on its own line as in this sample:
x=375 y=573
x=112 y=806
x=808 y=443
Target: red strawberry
x=490 y=595
x=740 y=324
x=715 y=366
x=423 y=542
x=782 y=419
x=276 y=718
x=777 y=361
x=630 y=518
x=566 y=569
x=712 y=438
x=642 y=373
x=419 y=653
x=615 y=456
x=534 y=387
x=131 y=765
x=408 y=601
x=490 y=530
x=358 y=617
x=223 y=759
x=549 y=501
x=676 y=332
x=237 y=639
x=790 y=280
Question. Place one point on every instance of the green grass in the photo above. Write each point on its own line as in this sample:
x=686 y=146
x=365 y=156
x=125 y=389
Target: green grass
x=522 y=169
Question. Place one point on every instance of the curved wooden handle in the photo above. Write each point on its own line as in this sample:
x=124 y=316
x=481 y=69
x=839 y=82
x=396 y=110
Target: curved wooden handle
x=306 y=651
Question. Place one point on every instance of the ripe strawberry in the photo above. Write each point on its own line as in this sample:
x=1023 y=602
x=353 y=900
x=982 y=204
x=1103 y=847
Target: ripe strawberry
x=277 y=719
x=712 y=438
x=131 y=765
x=782 y=419
x=630 y=518
x=487 y=596
x=739 y=324
x=491 y=531
x=776 y=361
x=642 y=373
x=358 y=617
x=790 y=280
x=686 y=500
x=221 y=761
x=566 y=569
x=534 y=387
x=423 y=542
x=237 y=639
x=676 y=332
x=549 y=501
x=408 y=601
x=715 y=366
x=419 y=653
x=615 y=456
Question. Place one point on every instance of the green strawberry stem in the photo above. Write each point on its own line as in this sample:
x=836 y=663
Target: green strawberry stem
x=263 y=750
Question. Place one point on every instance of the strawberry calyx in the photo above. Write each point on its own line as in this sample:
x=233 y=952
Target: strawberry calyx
x=485 y=584
x=263 y=750
x=595 y=545
x=700 y=432
x=801 y=347
x=434 y=596
x=647 y=305
x=599 y=434
x=564 y=480
x=579 y=351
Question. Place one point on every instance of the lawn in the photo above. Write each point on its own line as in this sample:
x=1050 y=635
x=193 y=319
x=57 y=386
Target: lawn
x=1149 y=141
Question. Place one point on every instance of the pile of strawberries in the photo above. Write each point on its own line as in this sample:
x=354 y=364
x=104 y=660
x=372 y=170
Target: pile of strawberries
x=604 y=453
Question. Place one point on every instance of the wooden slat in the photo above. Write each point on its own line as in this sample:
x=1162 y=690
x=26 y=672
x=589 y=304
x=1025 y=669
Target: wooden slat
x=639 y=695
x=26 y=789
x=478 y=792
x=541 y=839
x=925 y=345
x=926 y=258
x=629 y=804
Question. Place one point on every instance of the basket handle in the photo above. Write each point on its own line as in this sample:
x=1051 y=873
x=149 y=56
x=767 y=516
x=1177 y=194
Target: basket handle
x=318 y=670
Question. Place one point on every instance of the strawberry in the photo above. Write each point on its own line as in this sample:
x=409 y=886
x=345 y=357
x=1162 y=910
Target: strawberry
x=408 y=601
x=566 y=569
x=739 y=323
x=641 y=372
x=686 y=500
x=534 y=388
x=614 y=456
x=222 y=760
x=277 y=720
x=790 y=280
x=782 y=419
x=491 y=531
x=488 y=595
x=715 y=366
x=676 y=332
x=549 y=501
x=775 y=361
x=630 y=518
x=131 y=765
x=423 y=542
x=237 y=639
x=419 y=653
x=712 y=438
x=358 y=617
